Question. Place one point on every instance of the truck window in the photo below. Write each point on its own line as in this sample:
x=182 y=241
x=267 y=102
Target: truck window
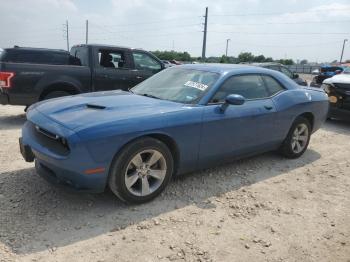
x=81 y=54
x=145 y=62
x=2 y=55
x=111 y=59
x=58 y=58
x=35 y=57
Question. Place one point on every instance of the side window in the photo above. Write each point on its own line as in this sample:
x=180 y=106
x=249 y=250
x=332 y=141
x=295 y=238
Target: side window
x=145 y=62
x=59 y=58
x=24 y=57
x=248 y=86
x=35 y=57
x=273 y=87
x=112 y=59
x=82 y=54
x=286 y=72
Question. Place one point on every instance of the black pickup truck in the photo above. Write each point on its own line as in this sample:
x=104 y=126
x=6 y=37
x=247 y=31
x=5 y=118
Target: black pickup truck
x=28 y=75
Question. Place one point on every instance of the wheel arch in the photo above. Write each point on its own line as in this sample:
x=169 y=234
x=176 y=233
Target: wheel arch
x=310 y=117
x=165 y=138
x=60 y=86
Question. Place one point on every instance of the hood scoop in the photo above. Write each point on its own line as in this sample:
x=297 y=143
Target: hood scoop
x=95 y=106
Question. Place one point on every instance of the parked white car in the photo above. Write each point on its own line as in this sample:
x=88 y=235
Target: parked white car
x=315 y=72
x=338 y=91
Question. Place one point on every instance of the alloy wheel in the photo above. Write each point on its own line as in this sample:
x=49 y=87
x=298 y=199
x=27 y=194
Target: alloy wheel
x=300 y=138
x=145 y=172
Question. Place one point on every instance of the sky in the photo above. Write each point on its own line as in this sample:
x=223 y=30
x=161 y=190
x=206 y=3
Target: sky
x=297 y=29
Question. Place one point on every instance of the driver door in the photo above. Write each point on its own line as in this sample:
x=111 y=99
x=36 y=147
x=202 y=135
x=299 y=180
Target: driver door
x=240 y=129
x=113 y=70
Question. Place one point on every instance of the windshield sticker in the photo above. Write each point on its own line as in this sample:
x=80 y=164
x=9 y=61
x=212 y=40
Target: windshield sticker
x=196 y=85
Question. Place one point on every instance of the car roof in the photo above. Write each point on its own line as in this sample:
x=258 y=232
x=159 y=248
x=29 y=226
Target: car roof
x=36 y=49
x=331 y=66
x=224 y=68
x=108 y=46
x=266 y=64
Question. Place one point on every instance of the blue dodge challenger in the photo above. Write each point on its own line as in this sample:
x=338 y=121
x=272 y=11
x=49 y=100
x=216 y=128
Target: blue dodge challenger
x=182 y=119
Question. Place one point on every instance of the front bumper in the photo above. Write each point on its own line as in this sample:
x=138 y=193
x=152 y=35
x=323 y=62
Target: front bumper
x=339 y=113
x=70 y=169
x=67 y=179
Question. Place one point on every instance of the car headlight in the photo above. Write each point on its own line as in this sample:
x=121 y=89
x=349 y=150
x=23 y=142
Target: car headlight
x=333 y=99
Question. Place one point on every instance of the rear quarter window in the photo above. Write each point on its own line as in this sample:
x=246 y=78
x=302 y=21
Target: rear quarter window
x=272 y=85
x=2 y=55
x=34 y=57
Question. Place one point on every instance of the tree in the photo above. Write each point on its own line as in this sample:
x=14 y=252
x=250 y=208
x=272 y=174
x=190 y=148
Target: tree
x=286 y=61
x=259 y=59
x=269 y=59
x=303 y=62
x=173 y=55
x=224 y=59
x=245 y=57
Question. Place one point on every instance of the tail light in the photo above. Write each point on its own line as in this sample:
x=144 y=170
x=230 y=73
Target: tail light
x=5 y=79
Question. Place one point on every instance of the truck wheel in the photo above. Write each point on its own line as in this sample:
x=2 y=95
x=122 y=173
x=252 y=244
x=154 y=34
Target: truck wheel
x=55 y=94
x=141 y=171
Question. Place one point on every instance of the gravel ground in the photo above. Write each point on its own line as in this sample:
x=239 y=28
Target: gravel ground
x=264 y=208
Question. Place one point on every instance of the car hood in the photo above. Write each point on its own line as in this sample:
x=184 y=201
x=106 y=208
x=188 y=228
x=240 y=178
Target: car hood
x=92 y=109
x=339 y=79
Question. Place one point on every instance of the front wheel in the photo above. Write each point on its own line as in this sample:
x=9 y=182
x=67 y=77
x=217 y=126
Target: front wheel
x=141 y=171
x=297 y=139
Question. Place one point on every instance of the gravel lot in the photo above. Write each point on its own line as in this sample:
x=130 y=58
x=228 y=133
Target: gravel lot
x=265 y=208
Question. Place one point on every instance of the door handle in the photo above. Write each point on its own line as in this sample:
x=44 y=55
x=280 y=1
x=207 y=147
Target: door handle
x=268 y=107
x=139 y=77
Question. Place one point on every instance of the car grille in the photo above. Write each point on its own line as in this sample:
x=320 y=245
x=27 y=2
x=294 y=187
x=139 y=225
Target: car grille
x=49 y=140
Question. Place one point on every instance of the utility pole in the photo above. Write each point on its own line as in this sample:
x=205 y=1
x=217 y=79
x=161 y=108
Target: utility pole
x=67 y=35
x=227 y=40
x=87 y=31
x=342 y=51
x=205 y=33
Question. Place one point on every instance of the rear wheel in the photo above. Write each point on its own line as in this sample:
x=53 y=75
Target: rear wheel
x=141 y=171
x=297 y=139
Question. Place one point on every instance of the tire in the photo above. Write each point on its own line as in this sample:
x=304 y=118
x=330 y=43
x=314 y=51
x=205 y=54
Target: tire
x=134 y=165
x=55 y=94
x=289 y=147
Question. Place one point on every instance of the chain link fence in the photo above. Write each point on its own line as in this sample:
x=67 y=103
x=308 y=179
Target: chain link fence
x=303 y=69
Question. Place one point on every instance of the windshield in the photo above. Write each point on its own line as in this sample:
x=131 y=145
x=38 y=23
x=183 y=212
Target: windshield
x=178 y=85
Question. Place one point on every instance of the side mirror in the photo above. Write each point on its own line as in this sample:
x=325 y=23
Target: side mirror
x=232 y=100
x=295 y=75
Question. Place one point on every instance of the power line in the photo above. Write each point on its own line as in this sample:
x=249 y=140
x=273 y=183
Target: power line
x=153 y=22
x=281 y=33
x=284 y=23
x=143 y=30
x=282 y=13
